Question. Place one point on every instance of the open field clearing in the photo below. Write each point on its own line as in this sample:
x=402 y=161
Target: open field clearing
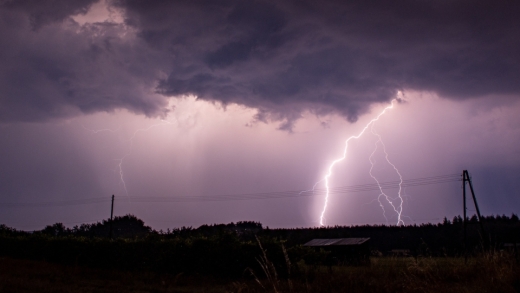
x=490 y=273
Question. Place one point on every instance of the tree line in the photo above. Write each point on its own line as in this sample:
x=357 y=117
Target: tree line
x=230 y=249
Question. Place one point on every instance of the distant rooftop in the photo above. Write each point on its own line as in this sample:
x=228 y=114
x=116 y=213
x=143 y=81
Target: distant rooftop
x=336 y=241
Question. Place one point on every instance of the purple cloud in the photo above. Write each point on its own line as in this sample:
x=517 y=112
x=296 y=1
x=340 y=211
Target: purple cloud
x=281 y=58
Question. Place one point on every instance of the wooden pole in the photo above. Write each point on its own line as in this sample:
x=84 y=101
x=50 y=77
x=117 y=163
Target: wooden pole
x=464 y=172
x=111 y=216
x=484 y=238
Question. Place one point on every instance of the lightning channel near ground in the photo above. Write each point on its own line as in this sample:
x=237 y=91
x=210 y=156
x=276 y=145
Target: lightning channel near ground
x=330 y=169
x=399 y=208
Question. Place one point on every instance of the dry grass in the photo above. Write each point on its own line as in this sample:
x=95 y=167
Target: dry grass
x=496 y=272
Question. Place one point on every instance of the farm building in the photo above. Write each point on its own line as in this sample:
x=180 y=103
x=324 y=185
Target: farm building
x=343 y=251
x=512 y=248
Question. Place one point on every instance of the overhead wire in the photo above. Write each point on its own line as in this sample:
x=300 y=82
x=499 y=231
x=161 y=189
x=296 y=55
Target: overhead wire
x=306 y=193
x=441 y=179
x=56 y=203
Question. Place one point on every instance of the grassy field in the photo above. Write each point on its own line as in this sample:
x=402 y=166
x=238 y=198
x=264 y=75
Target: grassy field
x=490 y=273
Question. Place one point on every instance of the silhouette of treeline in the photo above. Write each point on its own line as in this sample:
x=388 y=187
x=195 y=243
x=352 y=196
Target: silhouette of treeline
x=208 y=250
x=229 y=249
x=442 y=239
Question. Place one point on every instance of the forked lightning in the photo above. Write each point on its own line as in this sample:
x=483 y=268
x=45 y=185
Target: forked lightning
x=397 y=208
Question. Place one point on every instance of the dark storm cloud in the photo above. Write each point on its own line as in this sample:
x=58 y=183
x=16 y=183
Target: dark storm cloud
x=281 y=57
x=45 y=12
x=284 y=56
x=52 y=67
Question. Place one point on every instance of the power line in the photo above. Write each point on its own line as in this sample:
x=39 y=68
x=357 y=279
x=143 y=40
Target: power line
x=56 y=203
x=441 y=179
x=298 y=193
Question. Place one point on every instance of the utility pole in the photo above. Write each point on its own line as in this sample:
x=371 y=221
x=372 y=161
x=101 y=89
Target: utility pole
x=111 y=216
x=464 y=216
x=478 y=213
x=466 y=178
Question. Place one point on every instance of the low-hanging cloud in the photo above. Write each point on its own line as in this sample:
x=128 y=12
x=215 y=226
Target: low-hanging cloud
x=280 y=57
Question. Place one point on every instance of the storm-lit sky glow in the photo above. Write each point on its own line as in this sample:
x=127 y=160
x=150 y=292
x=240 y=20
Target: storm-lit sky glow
x=202 y=99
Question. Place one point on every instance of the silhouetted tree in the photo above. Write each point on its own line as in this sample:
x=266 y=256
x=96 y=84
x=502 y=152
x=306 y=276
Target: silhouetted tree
x=57 y=229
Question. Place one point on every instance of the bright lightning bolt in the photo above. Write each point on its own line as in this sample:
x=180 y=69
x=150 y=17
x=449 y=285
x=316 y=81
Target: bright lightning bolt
x=398 y=209
x=329 y=173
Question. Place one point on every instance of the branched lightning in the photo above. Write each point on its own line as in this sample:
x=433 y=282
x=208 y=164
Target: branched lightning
x=310 y=190
x=329 y=173
x=399 y=208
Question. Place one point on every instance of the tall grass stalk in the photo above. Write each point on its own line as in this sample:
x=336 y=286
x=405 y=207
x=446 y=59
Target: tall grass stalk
x=268 y=268
x=288 y=265
x=488 y=272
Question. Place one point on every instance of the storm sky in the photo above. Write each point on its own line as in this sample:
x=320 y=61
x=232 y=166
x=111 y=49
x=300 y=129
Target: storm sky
x=168 y=99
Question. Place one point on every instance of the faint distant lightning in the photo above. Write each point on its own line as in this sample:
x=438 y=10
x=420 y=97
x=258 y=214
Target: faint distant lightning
x=310 y=190
x=94 y=131
x=120 y=165
x=390 y=200
x=131 y=140
x=329 y=173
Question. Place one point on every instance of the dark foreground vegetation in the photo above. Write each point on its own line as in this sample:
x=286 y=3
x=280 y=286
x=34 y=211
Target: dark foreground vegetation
x=489 y=273
x=246 y=257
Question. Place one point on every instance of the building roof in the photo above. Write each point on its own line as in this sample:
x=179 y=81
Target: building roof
x=336 y=241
